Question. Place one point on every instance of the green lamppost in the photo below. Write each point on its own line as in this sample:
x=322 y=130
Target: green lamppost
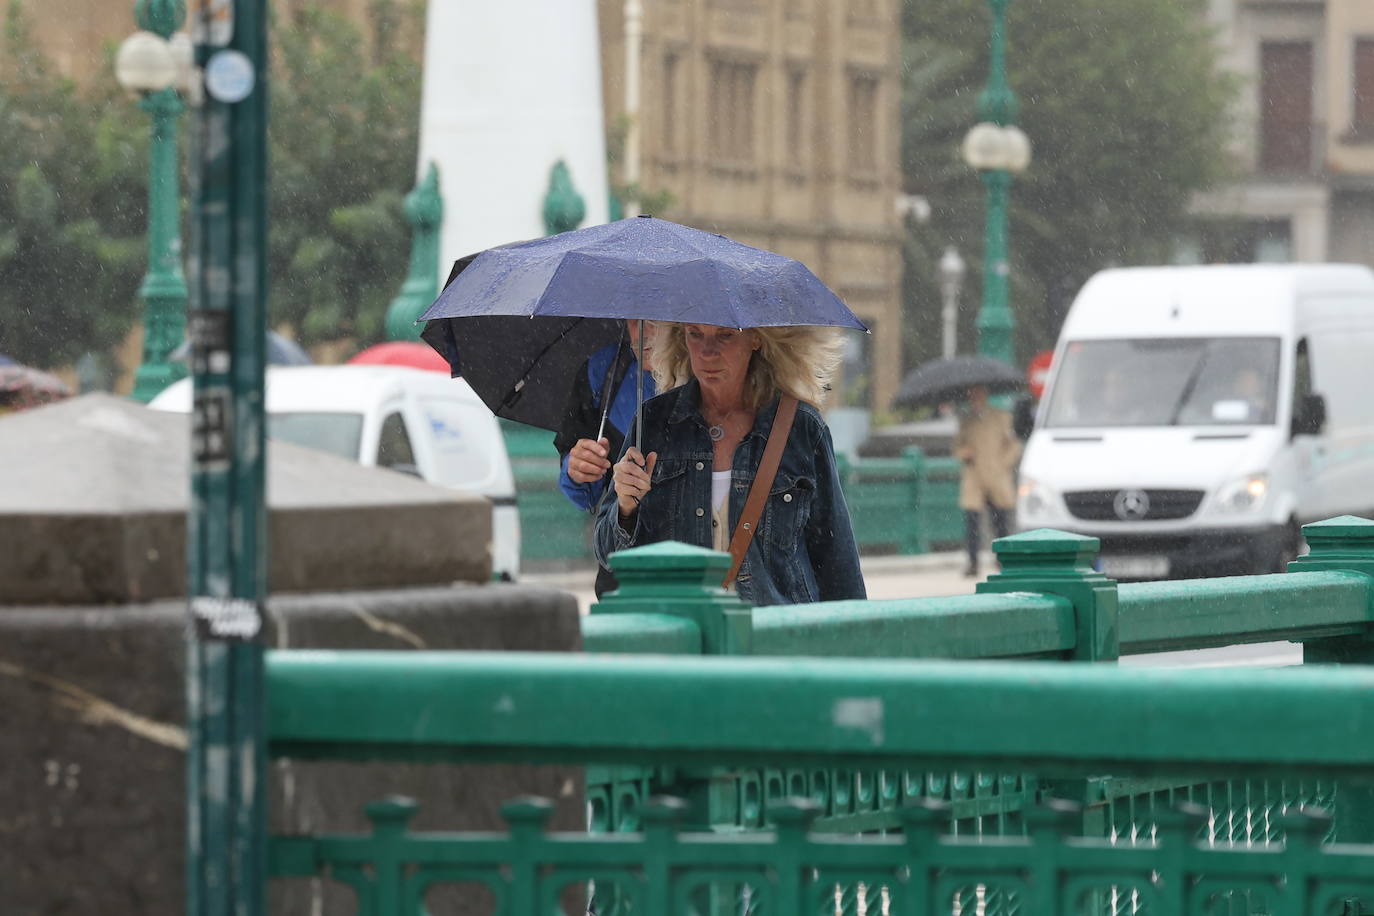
x=152 y=63
x=997 y=148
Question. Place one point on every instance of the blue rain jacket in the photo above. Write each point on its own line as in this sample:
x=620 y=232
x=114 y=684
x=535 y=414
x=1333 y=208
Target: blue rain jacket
x=621 y=417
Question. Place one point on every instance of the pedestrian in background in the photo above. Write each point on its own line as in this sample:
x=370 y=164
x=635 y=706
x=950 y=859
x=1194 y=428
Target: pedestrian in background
x=988 y=449
x=586 y=459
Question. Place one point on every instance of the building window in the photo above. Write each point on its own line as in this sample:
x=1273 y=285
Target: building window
x=1362 y=112
x=863 y=124
x=1286 y=107
x=730 y=128
x=669 y=113
x=796 y=120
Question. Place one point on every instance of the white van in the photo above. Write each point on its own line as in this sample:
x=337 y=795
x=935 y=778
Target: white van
x=410 y=420
x=1195 y=417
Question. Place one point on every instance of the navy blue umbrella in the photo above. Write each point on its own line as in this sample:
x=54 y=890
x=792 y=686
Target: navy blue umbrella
x=647 y=268
x=573 y=284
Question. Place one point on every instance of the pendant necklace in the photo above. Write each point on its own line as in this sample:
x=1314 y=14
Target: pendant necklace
x=717 y=430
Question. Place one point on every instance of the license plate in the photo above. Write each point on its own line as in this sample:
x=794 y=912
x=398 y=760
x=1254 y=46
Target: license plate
x=1134 y=567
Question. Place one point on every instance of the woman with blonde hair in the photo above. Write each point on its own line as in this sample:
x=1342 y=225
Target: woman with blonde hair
x=740 y=408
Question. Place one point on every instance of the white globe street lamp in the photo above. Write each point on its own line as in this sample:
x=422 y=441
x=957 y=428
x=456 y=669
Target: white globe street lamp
x=145 y=63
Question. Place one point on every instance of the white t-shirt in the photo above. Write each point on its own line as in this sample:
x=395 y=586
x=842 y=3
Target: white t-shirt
x=720 y=488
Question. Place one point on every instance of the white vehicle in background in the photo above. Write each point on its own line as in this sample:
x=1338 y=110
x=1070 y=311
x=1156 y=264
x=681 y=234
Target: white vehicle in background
x=1195 y=417
x=410 y=420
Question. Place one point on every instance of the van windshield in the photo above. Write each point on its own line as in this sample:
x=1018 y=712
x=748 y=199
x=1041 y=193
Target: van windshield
x=1167 y=382
x=337 y=433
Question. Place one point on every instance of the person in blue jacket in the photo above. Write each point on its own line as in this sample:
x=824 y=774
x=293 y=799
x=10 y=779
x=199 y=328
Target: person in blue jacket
x=587 y=458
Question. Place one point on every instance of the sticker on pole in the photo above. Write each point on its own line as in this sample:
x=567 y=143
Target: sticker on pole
x=229 y=77
x=212 y=22
x=211 y=429
x=226 y=619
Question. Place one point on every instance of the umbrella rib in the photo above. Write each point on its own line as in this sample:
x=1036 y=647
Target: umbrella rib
x=511 y=395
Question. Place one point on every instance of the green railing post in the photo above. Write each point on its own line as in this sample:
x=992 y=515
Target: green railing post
x=1344 y=543
x=683 y=581
x=1058 y=563
x=918 y=531
x=226 y=550
x=677 y=580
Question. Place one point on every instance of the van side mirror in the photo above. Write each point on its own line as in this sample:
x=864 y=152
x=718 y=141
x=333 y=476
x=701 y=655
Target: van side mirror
x=1023 y=417
x=1309 y=416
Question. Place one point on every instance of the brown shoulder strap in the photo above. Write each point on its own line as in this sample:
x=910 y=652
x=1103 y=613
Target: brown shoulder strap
x=763 y=482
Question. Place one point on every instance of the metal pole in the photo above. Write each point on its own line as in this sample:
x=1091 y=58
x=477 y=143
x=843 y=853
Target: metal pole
x=997 y=104
x=164 y=286
x=995 y=321
x=227 y=531
x=634 y=36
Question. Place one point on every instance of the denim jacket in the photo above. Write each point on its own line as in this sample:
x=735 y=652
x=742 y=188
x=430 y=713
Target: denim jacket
x=803 y=549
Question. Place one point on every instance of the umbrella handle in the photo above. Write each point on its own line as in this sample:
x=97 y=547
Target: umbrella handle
x=639 y=385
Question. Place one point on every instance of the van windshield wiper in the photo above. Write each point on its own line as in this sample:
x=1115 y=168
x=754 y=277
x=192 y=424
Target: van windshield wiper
x=1188 y=387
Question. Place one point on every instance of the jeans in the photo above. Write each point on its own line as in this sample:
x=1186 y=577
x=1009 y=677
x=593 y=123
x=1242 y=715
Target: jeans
x=973 y=534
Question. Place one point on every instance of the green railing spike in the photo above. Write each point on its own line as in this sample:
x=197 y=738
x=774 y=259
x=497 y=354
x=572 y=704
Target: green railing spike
x=663 y=810
x=564 y=208
x=391 y=815
x=531 y=811
x=424 y=210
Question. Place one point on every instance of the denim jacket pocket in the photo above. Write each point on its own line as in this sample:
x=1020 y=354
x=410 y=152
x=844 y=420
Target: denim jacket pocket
x=789 y=509
x=665 y=496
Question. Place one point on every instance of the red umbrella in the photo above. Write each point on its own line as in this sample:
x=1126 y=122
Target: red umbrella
x=402 y=353
x=24 y=386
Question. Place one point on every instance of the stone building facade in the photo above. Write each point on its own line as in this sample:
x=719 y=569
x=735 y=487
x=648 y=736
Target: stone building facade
x=776 y=122
x=1304 y=134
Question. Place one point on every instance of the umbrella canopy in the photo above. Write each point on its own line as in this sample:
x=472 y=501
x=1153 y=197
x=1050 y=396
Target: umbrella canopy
x=505 y=357
x=944 y=380
x=401 y=353
x=24 y=386
x=519 y=321
x=281 y=351
x=643 y=267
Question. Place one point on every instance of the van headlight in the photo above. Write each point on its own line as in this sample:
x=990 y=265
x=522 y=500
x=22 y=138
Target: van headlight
x=1033 y=499
x=1243 y=495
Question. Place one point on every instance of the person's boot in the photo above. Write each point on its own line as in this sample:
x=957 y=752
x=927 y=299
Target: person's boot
x=971 y=571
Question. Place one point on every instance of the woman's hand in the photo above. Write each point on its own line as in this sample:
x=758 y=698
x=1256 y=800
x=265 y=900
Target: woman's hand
x=632 y=477
x=587 y=462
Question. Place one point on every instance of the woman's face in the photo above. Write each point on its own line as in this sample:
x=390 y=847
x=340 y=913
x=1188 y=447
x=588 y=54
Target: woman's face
x=720 y=356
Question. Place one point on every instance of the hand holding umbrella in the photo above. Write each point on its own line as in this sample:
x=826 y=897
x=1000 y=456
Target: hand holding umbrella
x=633 y=477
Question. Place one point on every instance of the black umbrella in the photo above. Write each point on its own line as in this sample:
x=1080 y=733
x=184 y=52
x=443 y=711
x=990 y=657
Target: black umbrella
x=944 y=380
x=503 y=356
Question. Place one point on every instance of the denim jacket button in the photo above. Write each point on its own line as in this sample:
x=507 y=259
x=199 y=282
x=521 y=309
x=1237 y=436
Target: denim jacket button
x=700 y=465
x=700 y=512
x=787 y=497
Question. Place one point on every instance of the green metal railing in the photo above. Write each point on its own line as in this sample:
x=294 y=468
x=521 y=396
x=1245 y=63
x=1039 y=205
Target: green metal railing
x=1047 y=602
x=825 y=715
x=1079 y=768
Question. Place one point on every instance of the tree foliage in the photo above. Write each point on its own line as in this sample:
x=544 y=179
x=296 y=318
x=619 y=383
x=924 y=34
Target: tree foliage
x=72 y=193
x=73 y=185
x=344 y=135
x=1127 y=111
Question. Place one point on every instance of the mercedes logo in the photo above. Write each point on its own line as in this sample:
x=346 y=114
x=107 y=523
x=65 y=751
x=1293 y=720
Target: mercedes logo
x=1131 y=505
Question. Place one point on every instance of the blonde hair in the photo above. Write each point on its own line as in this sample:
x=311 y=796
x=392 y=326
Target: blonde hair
x=798 y=360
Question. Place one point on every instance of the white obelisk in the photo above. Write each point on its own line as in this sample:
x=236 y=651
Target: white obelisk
x=510 y=88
